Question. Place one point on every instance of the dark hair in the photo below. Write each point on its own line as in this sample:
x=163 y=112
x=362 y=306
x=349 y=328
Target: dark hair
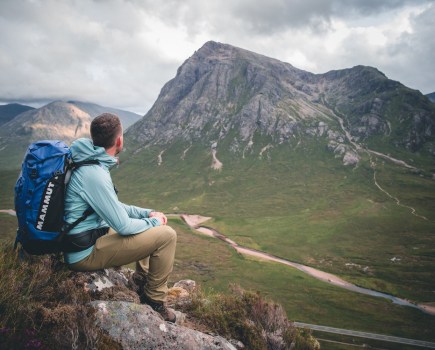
x=105 y=129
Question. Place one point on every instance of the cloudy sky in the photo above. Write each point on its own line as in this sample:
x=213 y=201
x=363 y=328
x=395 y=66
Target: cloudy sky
x=119 y=53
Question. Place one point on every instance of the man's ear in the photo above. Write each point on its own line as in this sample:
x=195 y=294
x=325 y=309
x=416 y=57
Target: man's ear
x=118 y=141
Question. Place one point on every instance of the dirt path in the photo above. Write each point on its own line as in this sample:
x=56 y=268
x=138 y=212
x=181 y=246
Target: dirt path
x=8 y=211
x=194 y=221
x=369 y=152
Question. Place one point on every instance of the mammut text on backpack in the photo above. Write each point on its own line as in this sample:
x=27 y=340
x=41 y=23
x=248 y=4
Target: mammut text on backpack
x=50 y=214
x=45 y=204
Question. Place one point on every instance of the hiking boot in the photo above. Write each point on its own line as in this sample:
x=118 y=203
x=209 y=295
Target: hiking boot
x=160 y=307
x=139 y=280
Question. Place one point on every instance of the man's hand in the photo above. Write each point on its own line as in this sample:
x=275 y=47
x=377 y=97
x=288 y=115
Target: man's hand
x=159 y=215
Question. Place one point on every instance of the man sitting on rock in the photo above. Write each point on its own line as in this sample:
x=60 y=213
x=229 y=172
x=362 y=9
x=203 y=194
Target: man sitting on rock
x=135 y=235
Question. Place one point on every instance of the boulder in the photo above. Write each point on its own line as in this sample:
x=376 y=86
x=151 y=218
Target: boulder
x=139 y=327
x=136 y=326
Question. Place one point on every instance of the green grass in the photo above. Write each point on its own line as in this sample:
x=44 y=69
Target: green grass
x=214 y=265
x=319 y=212
x=7 y=179
x=300 y=203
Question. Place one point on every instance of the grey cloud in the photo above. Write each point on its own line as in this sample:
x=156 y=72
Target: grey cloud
x=278 y=15
x=81 y=50
x=101 y=51
x=415 y=52
x=407 y=58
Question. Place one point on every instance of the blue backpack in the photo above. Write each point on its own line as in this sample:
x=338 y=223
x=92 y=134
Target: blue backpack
x=40 y=194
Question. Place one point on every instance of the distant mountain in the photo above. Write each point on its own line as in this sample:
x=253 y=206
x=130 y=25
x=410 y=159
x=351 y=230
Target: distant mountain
x=11 y=110
x=57 y=120
x=431 y=96
x=127 y=118
x=65 y=121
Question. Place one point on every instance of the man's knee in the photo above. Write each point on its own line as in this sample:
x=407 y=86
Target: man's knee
x=170 y=233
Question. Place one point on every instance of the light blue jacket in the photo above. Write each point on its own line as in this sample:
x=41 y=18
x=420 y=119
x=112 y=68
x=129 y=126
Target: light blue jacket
x=91 y=186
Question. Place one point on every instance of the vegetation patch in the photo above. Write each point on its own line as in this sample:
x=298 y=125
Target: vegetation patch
x=249 y=318
x=42 y=308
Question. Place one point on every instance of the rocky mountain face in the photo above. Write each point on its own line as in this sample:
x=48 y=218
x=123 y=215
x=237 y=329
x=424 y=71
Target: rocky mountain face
x=431 y=96
x=11 y=110
x=227 y=93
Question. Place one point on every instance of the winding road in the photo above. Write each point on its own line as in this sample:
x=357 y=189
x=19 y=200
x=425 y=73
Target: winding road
x=387 y=338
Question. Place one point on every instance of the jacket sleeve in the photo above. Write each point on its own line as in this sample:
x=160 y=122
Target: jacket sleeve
x=136 y=212
x=99 y=193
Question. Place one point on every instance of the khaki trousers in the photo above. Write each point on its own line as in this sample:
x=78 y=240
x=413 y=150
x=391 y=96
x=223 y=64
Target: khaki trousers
x=153 y=251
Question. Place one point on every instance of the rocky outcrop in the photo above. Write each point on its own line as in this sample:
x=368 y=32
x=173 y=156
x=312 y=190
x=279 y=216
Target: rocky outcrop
x=132 y=325
x=137 y=326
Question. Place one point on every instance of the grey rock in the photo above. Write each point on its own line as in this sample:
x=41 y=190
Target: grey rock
x=335 y=135
x=350 y=158
x=139 y=327
x=340 y=149
x=188 y=285
x=322 y=128
x=101 y=279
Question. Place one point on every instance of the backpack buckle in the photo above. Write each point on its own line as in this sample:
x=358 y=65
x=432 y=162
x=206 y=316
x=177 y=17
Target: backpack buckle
x=34 y=173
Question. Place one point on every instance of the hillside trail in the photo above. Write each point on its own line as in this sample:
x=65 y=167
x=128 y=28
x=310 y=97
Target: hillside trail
x=8 y=211
x=195 y=221
x=373 y=163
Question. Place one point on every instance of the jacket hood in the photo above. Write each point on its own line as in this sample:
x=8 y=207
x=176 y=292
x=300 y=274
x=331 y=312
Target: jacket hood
x=84 y=149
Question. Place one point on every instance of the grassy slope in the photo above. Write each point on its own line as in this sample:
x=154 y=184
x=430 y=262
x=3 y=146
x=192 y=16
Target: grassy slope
x=312 y=212
x=320 y=214
x=306 y=299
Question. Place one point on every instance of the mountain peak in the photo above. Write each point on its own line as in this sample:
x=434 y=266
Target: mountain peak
x=223 y=92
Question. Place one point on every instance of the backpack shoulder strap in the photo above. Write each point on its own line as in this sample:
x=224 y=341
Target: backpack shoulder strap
x=76 y=165
x=73 y=166
x=68 y=227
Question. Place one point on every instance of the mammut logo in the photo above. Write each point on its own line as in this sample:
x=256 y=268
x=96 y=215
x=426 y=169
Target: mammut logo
x=45 y=204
